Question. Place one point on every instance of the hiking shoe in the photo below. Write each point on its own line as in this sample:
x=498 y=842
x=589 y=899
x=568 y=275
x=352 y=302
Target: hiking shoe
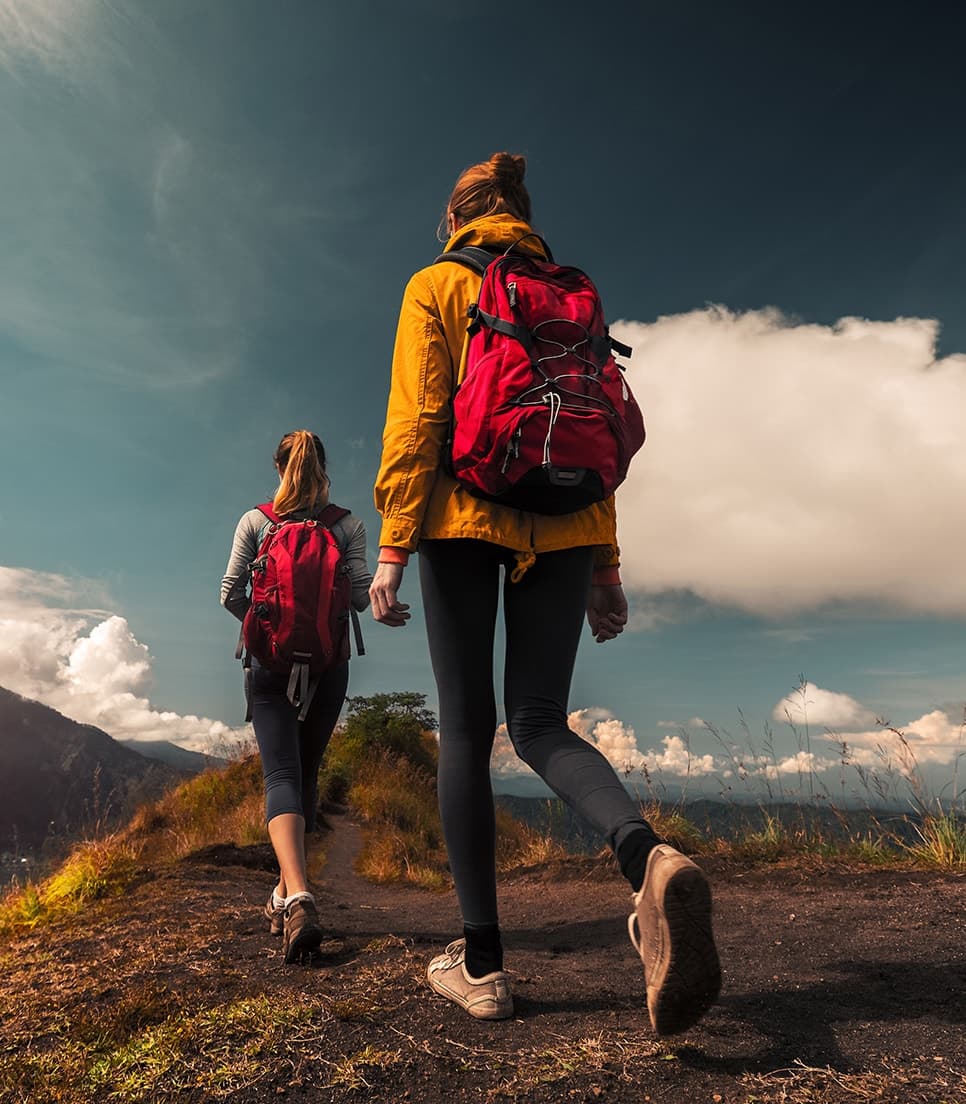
x=486 y=998
x=275 y=915
x=301 y=932
x=670 y=928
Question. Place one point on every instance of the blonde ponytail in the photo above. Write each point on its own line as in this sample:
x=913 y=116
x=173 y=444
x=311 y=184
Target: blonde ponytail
x=301 y=461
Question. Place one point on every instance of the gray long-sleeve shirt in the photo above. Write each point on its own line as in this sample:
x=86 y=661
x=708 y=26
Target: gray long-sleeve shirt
x=349 y=533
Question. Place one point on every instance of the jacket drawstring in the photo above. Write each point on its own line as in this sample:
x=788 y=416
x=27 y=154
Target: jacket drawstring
x=525 y=560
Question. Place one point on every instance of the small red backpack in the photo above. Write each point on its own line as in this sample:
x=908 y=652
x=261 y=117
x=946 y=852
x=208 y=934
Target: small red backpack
x=301 y=602
x=543 y=419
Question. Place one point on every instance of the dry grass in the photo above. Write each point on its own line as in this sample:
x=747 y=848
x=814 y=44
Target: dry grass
x=926 y=1081
x=95 y=869
x=223 y=805
x=403 y=837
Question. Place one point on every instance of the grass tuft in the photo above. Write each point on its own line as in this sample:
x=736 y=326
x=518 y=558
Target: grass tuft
x=349 y=1072
x=942 y=841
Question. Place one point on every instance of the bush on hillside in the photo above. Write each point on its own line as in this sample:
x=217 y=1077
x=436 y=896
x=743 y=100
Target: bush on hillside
x=398 y=724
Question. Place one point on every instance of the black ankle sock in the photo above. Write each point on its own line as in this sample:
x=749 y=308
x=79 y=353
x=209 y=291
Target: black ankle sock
x=484 y=949
x=632 y=855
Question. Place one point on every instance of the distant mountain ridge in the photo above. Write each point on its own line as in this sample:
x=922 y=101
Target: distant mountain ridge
x=165 y=752
x=713 y=818
x=60 y=777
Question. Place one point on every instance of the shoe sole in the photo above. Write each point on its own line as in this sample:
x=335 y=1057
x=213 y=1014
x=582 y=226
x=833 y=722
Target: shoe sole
x=304 y=945
x=478 y=1012
x=692 y=981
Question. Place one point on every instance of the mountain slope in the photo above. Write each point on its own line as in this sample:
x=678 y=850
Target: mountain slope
x=59 y=777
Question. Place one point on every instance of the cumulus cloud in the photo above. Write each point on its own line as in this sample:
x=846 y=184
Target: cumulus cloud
x=810 y=704
x=87 y=664
x=933 y=739
x=789 y=466
x=800 y=764
x=884 y=759
x=617 y=742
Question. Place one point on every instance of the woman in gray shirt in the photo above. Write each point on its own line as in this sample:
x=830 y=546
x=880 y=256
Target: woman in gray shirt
x=291 y=748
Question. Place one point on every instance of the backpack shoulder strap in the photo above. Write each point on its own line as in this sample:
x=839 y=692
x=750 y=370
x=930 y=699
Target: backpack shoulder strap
x=269 y=511
x=470 y=256
x=513 y=251
x=332 y=514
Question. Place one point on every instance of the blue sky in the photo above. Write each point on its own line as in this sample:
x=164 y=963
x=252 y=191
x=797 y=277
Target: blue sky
x=210 y=211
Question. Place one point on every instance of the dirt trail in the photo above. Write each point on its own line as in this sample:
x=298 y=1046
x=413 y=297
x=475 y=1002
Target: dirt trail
x=838 y=986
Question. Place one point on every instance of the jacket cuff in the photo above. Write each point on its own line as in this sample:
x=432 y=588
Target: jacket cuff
x=399 y=532
x=606 y=555
x=390 y=555
x=607 y=576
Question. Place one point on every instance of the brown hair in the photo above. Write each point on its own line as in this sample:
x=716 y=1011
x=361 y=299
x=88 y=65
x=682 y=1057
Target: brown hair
x=300 y=457
x=489 y=188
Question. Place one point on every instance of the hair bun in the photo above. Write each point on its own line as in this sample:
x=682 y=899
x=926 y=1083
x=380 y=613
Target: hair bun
x=509 y=169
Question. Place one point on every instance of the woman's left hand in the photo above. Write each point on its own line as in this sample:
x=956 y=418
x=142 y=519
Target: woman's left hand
x=606 y=611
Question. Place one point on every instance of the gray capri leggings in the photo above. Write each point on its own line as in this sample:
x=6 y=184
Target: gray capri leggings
x=543 y=614
x=292 y=750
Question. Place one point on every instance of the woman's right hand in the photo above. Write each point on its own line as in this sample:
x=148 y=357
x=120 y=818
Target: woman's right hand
x=382 y=594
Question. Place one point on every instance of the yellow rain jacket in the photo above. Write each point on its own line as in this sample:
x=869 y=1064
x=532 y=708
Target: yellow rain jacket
x=413 y=493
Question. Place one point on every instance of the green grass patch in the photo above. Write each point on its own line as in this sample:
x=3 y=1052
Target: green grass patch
x=216 y=1052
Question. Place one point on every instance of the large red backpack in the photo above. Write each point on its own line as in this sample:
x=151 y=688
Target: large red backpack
x=543 y=419
x=301 y=602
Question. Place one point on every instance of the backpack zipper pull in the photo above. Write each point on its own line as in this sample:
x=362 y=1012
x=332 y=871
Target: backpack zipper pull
x=511 y=290
x=512 y=449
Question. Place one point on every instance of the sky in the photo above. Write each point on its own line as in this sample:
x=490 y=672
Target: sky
x=209 y=213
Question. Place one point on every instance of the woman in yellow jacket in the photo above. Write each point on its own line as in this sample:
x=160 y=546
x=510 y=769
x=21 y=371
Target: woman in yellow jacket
x=556 y=570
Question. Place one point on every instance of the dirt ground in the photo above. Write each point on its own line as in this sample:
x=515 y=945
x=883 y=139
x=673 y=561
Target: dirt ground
x=840 y=985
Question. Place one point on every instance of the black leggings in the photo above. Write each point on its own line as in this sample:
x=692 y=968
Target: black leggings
x=291 y=749
x=543 y=614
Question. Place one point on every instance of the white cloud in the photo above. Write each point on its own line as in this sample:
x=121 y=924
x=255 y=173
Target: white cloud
x=504 y=762
x=810 y=704
x=789 y=466
x=933 y=739
x=87 y=664
x=612 y=738
x=802 y=763
x=617 y=742
x=875 y=766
